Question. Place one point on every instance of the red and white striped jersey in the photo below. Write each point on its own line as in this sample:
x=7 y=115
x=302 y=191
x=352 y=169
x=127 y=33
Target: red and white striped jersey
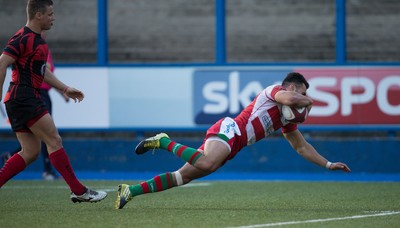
x=263 y=116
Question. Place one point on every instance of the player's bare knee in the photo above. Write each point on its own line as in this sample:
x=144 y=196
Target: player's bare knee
x=58 y=140
x=30 y=155
x=55 y=142
x=35 y=156
x=186 y=181
x=208 y=166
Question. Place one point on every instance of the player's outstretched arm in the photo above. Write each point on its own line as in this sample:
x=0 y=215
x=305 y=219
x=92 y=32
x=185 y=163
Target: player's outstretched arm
x=71 y=92
x=307 y=151
x=74 y=94
x=339 y=166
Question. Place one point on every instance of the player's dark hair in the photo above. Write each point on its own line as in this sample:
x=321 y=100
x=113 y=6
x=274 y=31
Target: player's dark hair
x=34 y=6
x=296 y=78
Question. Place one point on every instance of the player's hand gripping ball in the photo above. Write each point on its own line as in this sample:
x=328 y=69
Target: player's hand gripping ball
x=294 y=115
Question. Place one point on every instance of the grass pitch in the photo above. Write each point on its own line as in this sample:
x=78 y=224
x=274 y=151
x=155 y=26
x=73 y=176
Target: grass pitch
x=207 y=204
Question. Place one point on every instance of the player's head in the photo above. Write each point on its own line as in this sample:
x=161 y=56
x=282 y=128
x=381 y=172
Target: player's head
x=35 y=6
x=42 y=10
x=296 y=82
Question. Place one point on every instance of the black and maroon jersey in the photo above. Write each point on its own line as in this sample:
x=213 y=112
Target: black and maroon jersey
x=30 y=53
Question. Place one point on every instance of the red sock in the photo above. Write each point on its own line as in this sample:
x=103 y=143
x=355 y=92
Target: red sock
x=60 y=161
x=13 y=166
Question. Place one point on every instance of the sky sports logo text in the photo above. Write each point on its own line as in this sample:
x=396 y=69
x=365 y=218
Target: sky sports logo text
x=219 y=94
x=341 y=96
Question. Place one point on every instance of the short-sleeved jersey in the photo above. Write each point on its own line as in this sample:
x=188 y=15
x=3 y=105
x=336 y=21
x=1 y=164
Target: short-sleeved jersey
x=258 y=120
x=263 y=116
x=30 y=53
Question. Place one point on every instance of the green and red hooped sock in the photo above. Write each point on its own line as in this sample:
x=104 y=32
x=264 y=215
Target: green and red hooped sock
x=157 y=184
x=186 y=153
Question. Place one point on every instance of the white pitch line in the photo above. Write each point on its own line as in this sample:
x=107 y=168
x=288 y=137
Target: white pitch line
x=386 y=213
x=106 y=189
x=201 y=184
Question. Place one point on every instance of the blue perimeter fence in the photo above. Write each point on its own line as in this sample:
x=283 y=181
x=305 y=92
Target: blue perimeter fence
x=271 y=159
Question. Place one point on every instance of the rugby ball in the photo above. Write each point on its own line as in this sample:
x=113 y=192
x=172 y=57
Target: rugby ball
x=294 y=115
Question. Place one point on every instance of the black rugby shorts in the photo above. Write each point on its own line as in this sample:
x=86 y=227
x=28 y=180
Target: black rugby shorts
x=24 y=112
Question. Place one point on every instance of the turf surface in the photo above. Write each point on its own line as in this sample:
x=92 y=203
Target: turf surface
x=207 y=204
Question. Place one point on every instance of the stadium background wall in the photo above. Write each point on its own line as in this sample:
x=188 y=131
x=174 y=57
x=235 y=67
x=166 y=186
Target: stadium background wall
x=114 y=42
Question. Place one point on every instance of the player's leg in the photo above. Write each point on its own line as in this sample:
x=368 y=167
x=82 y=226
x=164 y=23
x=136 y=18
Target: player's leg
x=165 y=181
x=215 y=152
x=18 y=162
x=48 y=172
x=30 y=146
x=46 y=131
x=188 y=154
x=158 y=183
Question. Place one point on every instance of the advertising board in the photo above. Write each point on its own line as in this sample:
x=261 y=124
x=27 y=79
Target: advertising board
x=189 y=97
